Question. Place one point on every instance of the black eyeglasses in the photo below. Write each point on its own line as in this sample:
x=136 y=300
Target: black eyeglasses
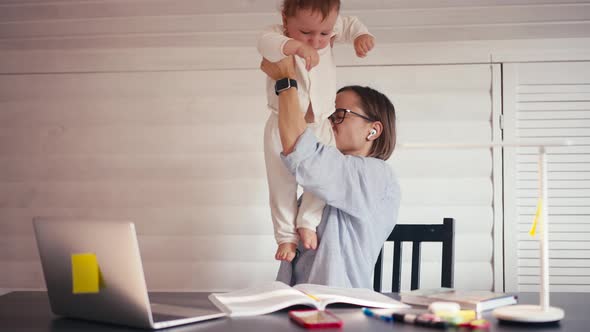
x=340 y=113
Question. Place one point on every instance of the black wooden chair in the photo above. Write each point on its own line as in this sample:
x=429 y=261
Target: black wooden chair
x=417 y=234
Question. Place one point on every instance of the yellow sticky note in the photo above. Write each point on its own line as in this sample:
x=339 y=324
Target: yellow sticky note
x=533 y=230
x=85 y=273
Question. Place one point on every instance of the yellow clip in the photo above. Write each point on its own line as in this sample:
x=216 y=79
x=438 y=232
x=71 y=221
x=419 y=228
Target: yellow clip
x=533 y=230
x=86 y=276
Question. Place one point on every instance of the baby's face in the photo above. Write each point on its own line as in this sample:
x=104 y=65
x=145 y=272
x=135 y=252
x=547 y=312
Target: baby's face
x=309 y=28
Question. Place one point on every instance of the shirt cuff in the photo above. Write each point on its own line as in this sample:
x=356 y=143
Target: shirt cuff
x=304 y=148
x=283 y=47
x=362 y=33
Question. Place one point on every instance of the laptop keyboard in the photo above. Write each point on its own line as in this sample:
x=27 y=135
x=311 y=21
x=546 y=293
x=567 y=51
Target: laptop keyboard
x=166 y=312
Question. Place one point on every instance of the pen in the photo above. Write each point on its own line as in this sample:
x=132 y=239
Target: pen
x=426 y=320
x=369 y=313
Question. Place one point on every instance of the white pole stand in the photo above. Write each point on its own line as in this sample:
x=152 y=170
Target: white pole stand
x=542 y=313
x=523 y=313
x=528 y=313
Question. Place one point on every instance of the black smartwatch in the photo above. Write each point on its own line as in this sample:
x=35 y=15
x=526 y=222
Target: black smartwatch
x=284 y=84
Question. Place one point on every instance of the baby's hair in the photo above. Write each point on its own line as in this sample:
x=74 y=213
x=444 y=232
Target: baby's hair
x=290 y=7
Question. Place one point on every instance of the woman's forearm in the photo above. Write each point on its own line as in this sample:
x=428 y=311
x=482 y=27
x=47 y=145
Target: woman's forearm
x=291 y=121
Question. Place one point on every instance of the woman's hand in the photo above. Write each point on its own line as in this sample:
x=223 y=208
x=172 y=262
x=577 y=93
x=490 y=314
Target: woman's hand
x=278 y=70
x=309 y=54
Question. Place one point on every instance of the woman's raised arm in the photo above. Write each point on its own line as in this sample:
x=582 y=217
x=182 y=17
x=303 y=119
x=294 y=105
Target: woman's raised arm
x=291 y=120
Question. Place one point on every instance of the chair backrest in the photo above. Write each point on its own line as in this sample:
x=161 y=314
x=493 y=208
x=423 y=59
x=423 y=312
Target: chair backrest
x=417 y=234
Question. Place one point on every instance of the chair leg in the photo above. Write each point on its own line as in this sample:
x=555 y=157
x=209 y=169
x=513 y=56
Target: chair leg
x=397 y=260
x=447 y=255
x=415 y=265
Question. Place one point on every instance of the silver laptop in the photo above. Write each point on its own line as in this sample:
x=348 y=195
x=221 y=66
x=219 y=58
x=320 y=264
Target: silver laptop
x=122 y=297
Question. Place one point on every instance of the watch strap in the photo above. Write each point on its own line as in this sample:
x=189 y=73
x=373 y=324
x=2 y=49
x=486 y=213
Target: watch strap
x=284 y=84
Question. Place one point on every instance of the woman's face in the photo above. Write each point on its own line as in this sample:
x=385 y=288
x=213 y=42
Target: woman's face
x=351 y=134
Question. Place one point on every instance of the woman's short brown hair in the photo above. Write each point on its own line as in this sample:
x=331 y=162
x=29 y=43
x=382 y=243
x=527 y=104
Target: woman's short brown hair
x=290 y=7
x=377 y=106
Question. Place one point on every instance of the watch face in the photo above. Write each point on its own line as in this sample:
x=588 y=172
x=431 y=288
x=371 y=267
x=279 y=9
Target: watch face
x=282 y=84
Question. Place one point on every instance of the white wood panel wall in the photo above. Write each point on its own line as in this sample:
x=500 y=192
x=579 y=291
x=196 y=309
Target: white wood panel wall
x=182 y=158
x=179 y=156
x=549 y=102
x=51 y=24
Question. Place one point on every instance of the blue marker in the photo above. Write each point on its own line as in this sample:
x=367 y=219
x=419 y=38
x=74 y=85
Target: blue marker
x=369 y=313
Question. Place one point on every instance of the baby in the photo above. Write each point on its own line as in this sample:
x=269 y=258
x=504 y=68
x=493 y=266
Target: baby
x=309 y=29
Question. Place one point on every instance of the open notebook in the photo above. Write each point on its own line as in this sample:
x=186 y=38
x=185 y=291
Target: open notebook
x=277 y=295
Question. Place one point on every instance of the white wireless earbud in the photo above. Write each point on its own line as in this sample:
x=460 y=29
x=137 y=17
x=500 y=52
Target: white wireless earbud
x=372 y=133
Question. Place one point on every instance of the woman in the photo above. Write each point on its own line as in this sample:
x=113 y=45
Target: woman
x=361 y=191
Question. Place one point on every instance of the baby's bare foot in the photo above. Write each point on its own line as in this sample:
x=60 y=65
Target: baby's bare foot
x=309 y=238
x=286 y=252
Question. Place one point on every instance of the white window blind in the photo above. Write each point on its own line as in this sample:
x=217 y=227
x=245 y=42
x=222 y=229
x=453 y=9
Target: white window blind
x=548 y=102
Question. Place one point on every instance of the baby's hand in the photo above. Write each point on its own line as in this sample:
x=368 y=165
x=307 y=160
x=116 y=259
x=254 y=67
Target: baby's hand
x=363 y=44
x=309 y=54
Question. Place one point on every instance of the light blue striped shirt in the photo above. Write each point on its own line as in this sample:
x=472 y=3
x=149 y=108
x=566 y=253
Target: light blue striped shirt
x=362 y=201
